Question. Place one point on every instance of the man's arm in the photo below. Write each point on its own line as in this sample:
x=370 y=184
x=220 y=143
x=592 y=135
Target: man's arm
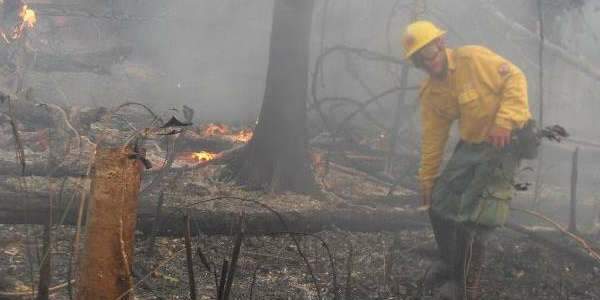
x=506 y=78
x=510 y=82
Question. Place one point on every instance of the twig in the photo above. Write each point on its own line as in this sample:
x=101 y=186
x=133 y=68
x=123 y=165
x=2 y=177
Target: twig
x=26 y=294
x=234 y=257
x=282 y=221
x=68 y=124
x=222 y=280
x=253 y=284
x=203 y=259
x=162 y=264
x=590 y=250
x=171 y=154
x=156 y=224
x=19 y=151
x=189 y=259
x=124 y=256
x=573 y=202
x=45 y=266
x=148 y=109
x=329 y=255
x=138 y=271
x=363 y=53
x=348 y=289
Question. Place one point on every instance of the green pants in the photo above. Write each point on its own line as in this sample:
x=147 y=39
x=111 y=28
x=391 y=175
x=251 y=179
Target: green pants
x=476 y=186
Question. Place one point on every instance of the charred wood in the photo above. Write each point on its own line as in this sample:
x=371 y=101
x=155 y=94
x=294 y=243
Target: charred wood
x=19 y=208
x=32 y=208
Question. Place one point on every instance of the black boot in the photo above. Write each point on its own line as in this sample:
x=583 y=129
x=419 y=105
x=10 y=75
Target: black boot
x=444 y=232
x=473 y=288
x=468 y=263
x=464 y=243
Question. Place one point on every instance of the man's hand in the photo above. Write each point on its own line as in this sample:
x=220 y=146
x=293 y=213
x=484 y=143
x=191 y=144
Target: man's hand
x=499 y=137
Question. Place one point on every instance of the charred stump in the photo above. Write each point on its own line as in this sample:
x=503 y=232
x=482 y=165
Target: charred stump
x=105 y=267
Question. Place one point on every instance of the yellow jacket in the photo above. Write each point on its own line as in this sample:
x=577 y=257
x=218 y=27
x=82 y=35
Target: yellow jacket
x=482 y=89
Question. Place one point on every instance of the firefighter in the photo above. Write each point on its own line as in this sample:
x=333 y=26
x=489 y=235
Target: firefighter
x=487 y=95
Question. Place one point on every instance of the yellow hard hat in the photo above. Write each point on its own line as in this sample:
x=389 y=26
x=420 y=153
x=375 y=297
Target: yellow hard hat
x=419 y=34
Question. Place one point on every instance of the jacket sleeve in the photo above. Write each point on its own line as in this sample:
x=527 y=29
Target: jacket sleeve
x=435 y=127
x=510 y=83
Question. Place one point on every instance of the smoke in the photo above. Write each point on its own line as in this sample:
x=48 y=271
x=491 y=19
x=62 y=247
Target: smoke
x=212 y=55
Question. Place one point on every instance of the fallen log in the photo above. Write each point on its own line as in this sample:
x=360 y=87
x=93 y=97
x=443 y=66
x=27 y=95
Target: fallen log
x=31 y=208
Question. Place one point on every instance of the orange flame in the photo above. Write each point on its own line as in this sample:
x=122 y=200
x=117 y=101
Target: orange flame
x=28 y=20
x=244 y=135
x=203 y=156
x=27 y=16
x=216 y=129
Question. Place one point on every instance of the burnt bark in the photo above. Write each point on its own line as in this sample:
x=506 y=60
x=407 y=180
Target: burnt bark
x=19 y=208
x=106 y=262
x=276 y=159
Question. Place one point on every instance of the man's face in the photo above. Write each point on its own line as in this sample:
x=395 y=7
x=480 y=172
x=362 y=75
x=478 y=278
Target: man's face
x=432 y=59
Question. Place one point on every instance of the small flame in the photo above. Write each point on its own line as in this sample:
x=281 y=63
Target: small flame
x=27 y=16
x=203 y=156
x=28 y=20
x=224 y=131
x=244 y=135
x=216 y=129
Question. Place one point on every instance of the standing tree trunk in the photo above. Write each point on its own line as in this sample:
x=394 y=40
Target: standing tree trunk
x=276 y=159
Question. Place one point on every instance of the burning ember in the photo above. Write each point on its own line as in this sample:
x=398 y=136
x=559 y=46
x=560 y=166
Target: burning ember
x=27 y=18
x=244 y=135
x=223 y=131
x=216 y=129
x=202 y=156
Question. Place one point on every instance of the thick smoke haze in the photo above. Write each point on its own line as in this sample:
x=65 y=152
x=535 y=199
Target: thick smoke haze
x=212 y=55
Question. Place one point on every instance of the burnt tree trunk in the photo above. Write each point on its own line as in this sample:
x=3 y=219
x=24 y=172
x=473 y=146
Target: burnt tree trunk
x=276 y=159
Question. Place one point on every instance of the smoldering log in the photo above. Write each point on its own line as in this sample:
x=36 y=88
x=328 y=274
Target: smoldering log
x=30 y=208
